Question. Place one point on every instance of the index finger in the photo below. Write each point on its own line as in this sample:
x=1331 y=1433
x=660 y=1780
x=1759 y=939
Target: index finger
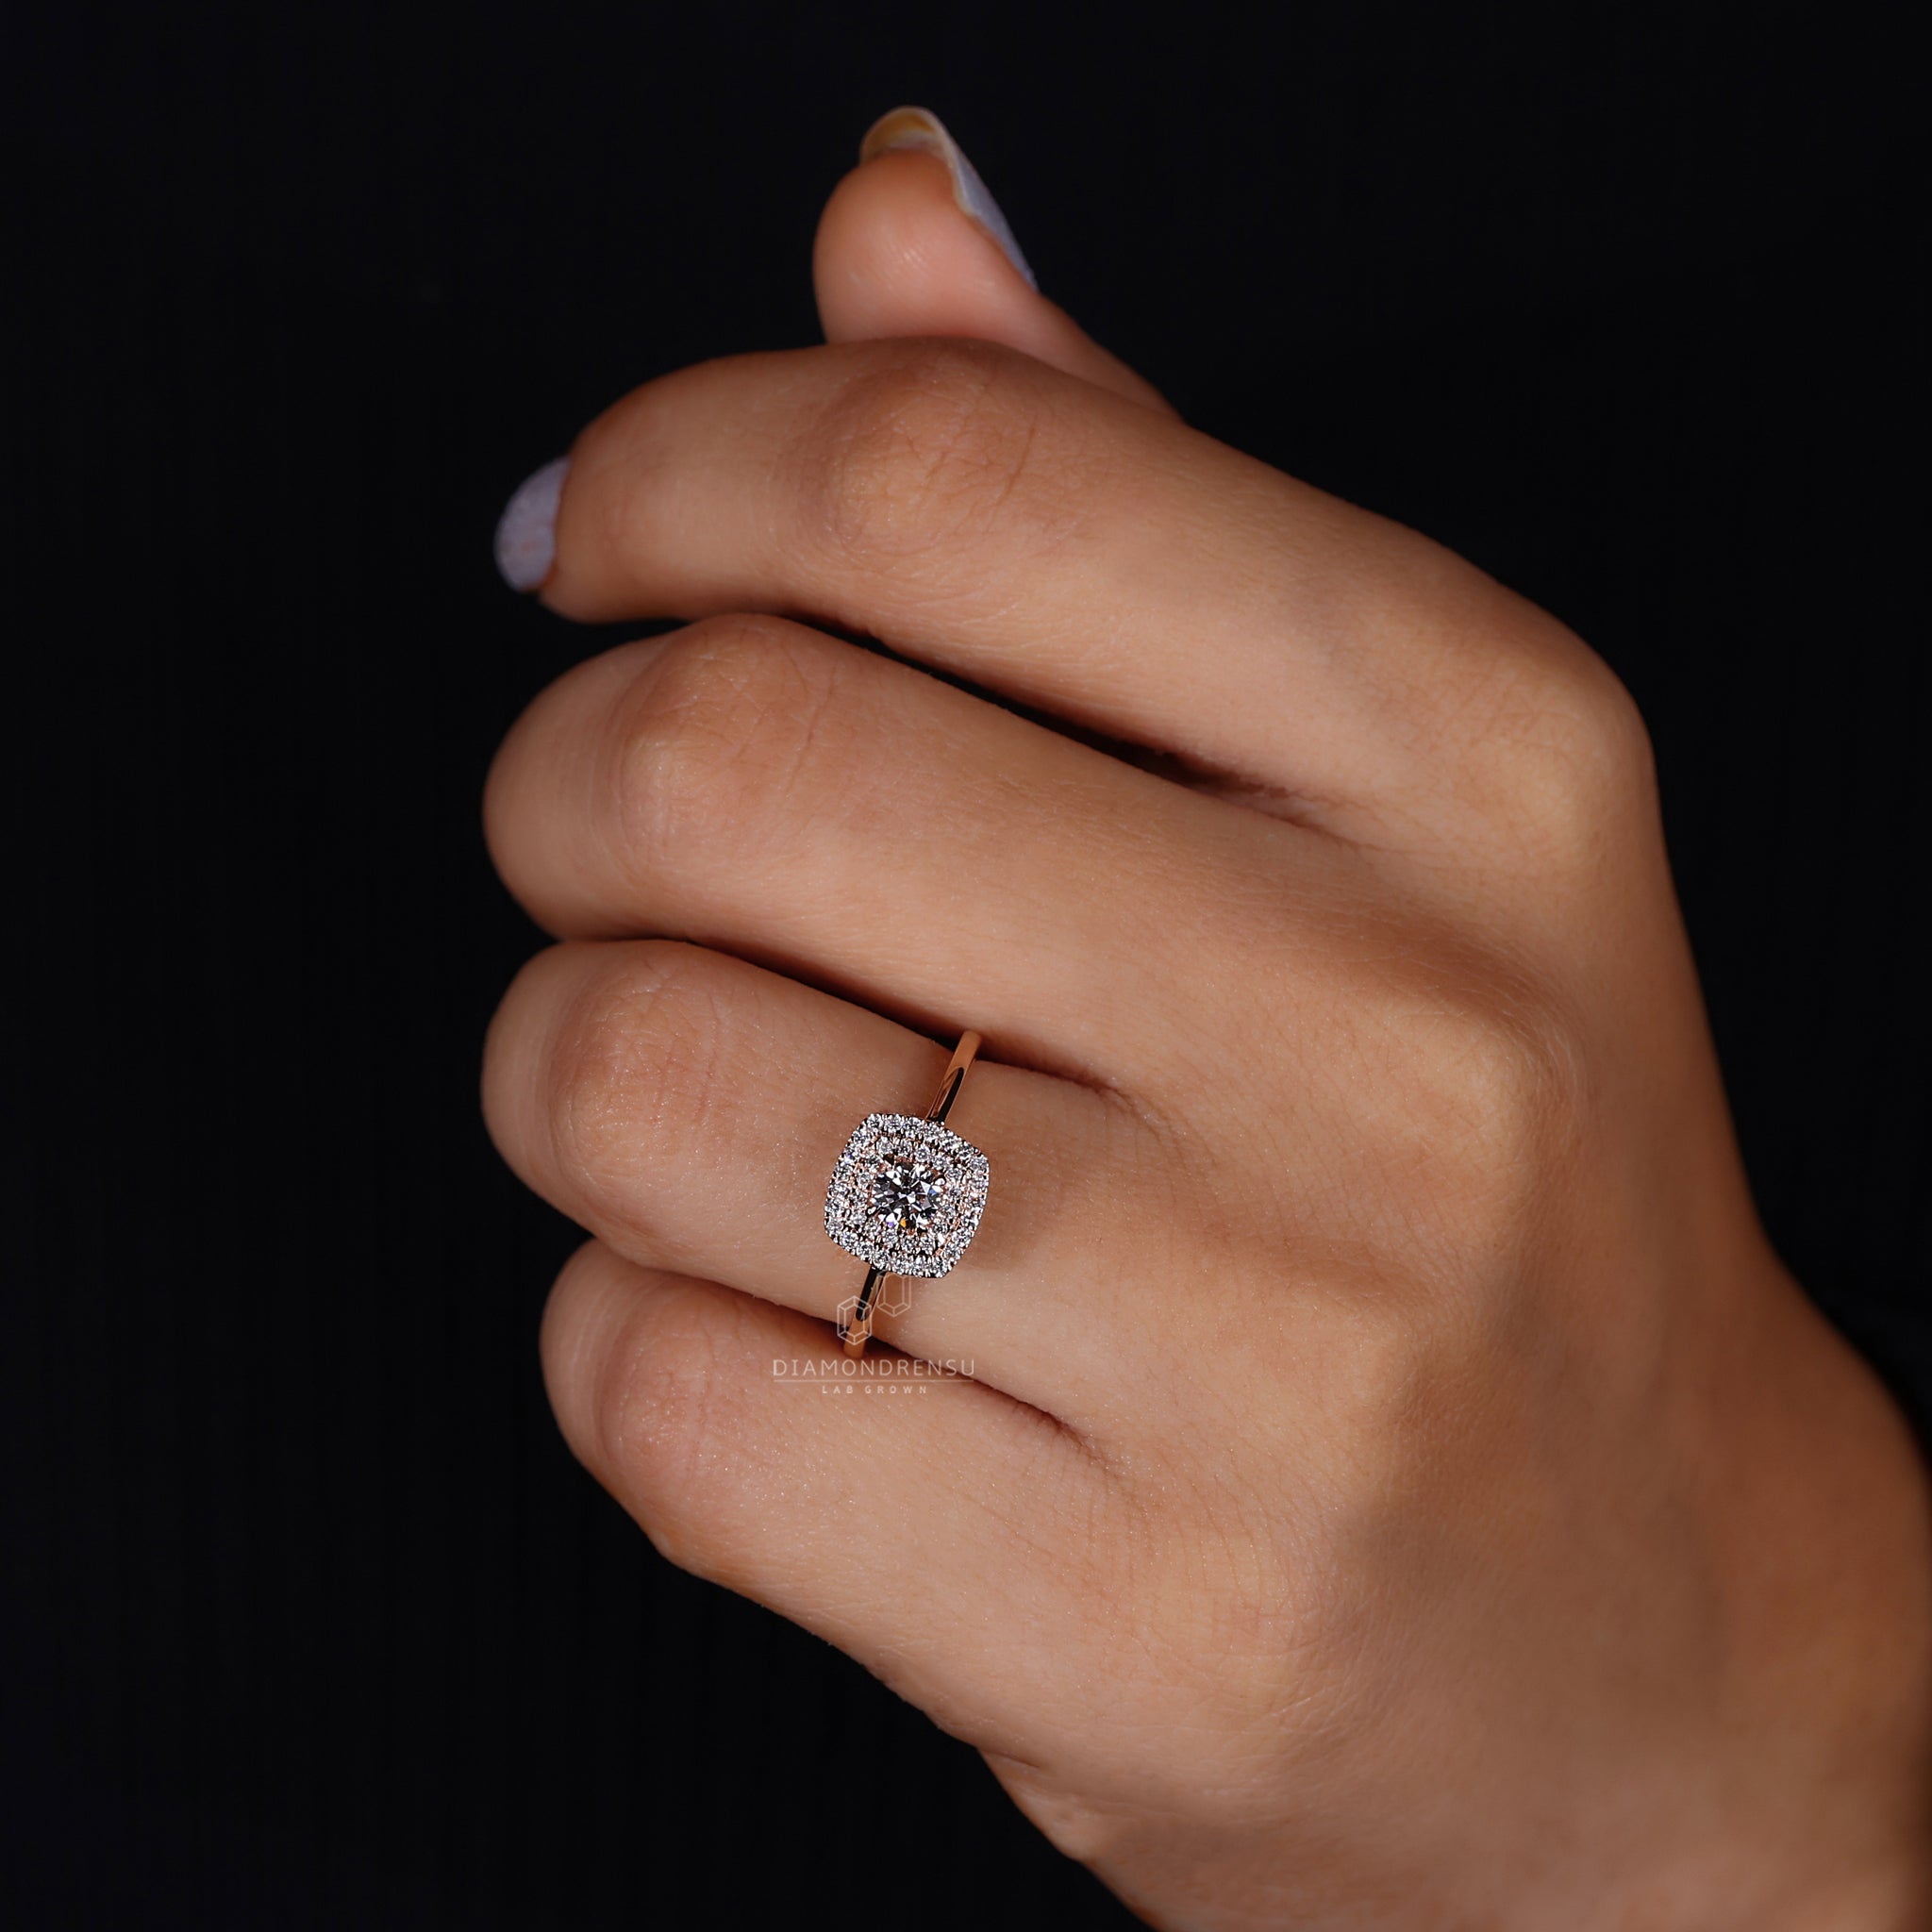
x=1069 y=548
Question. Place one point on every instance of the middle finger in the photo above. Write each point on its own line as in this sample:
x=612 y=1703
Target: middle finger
x=761 y=788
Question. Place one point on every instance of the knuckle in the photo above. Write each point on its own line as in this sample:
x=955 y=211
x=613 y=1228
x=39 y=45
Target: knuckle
x=710 y=740
x=1486 y=1086
x=1492 y=1066
x=632 y=1075
x=1595 y=757
x=1496 y=1081
x=920 y=450
x=1567 y=757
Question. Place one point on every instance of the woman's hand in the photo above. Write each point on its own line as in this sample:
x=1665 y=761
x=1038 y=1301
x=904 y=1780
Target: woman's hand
x=1397 y=1487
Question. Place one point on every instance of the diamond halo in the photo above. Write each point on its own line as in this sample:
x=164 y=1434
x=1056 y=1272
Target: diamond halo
x=906 y=1195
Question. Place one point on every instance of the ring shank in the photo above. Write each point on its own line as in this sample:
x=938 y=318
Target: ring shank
x=855 y=1333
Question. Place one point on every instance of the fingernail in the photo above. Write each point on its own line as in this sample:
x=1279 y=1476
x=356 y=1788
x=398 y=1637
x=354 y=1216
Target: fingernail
x=920 y=129
x=527 y=531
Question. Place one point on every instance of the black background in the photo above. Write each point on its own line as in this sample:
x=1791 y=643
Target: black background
x=311 y=1620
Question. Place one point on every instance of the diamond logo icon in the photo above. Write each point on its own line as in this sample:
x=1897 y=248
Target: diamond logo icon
x=907 y=1194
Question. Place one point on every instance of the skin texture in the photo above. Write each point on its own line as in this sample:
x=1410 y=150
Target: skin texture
x=1398 y=1486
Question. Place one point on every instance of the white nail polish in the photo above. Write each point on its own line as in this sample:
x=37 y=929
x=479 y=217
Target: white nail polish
x=527 y=531
x=921 y=129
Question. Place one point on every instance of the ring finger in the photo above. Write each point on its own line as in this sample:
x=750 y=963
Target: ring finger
x=688 y=1107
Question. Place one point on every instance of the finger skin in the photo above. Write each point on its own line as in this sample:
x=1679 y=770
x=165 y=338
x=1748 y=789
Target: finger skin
x=1471 y=1523
x=902 y=1518
x=756 y=785
x=689 y=1108
x=896 y=257
x=988 y=515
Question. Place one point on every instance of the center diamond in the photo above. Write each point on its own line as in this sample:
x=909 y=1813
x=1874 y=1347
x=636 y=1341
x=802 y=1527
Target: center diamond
x=907 y=1194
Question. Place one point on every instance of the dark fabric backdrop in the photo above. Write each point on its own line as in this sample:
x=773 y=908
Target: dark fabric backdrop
x=311 y=1620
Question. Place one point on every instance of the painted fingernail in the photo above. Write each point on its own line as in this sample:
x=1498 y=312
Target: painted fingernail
x=527 y=531
x=920 y=129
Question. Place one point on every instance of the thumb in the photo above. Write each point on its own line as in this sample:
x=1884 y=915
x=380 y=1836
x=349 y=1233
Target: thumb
x=911 y=245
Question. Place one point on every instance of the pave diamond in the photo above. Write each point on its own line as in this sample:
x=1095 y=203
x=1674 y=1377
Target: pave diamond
x=907 y=1194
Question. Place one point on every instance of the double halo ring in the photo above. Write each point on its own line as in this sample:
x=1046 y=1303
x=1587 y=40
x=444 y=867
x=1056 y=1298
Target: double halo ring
x=906 y=1198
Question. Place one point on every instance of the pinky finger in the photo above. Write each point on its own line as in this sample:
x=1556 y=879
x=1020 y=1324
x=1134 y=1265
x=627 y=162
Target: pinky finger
x=937 y=1531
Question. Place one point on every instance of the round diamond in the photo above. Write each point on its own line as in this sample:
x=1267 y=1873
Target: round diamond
x=907 y=1194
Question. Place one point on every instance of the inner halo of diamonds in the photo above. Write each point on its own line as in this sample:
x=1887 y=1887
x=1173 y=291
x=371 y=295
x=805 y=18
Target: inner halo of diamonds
x=907 y=1194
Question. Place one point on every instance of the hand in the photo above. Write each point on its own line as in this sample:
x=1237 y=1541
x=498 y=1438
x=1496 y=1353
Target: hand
x=1398 y=1486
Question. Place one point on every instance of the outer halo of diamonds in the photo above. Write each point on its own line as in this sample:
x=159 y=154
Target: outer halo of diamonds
x=906 y=1198
x=907 y=1194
